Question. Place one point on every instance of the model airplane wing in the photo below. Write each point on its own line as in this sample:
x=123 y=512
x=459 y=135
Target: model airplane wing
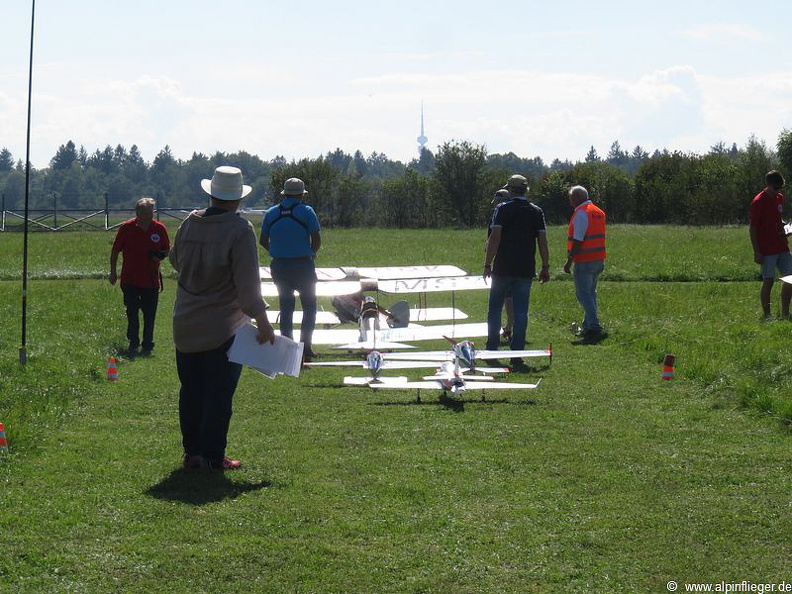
x=475 y=385
x=334 y=288
x=435 y=314
x=378 y=272
x=402 y=272
x=432 y=285
x=514 y=354
x=469 y=385
x=325 y=289
x=787 y=279
x=493 y=369
x=422 y=355
x=430 y=314
x=379 y=381
x=416 y=333
x=350 y=337
x=371 y=345
x=322 y=317
x=410 y=334
x=322 y=274
x=365 y=365
x=467 y=378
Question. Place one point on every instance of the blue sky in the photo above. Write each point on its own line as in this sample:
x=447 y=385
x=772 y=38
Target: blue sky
x=303 y=78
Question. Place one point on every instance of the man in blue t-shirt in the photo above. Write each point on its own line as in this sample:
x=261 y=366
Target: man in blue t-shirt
x=290 y=233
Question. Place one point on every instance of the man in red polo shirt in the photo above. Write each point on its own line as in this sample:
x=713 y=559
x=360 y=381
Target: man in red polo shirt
x=769 y=241
x=143 y=243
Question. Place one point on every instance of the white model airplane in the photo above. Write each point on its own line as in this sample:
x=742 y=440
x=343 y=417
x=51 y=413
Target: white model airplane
x=449 y=378
x=396 y=286
x=465 y=354
x=375 y=363
x=377 y=334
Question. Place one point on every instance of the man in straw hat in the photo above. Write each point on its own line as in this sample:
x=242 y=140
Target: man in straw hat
x=219 y=290
x=290 y=233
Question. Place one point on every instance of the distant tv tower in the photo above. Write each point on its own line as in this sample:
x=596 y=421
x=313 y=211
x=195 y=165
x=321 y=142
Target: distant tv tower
x=422 y=138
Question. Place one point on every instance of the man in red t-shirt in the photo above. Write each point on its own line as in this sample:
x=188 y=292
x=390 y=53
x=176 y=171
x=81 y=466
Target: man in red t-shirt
x=769 y=241
x=144 y=243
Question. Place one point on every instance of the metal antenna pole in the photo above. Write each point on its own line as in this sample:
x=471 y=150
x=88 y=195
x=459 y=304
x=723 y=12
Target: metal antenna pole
x=23 y=348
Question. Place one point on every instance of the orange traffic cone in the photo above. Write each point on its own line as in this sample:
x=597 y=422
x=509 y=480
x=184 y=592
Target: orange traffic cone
x=668 y=367
x=112 y=370
x=3 y=440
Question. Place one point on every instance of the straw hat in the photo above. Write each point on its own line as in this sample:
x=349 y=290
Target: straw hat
x=226 y=184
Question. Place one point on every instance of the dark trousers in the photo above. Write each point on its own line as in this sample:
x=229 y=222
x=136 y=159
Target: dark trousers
x=208 y=382
x=136 y=300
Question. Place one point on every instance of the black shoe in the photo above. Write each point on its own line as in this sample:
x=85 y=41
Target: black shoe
x=592 y=337
x=518 y=366
x=133 y=349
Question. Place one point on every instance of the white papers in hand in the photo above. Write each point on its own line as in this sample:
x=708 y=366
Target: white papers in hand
x=284 y=356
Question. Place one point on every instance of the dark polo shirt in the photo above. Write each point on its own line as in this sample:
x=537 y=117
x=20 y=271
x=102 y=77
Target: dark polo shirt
x=521 y=223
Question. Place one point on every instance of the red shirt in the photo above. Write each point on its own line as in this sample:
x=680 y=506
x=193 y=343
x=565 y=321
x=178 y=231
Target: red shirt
x=139 y=268
x=765 y=215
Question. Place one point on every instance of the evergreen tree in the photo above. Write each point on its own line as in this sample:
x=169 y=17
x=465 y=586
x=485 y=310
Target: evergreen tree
x=425 y=163
x=64 y=157
x=6 y=160
x=592 y=156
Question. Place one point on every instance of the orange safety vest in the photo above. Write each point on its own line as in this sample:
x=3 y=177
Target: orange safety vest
x=593 y=246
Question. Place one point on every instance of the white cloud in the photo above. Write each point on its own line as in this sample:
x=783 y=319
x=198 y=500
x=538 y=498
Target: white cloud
x=529 y=112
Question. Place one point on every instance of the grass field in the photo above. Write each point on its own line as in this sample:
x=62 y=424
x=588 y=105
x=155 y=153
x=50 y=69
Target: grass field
x=604 y=479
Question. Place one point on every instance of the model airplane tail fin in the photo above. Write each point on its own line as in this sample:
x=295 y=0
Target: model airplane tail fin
x=401 y=314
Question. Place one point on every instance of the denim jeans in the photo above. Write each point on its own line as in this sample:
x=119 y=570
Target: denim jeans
x=136 y=300
x=208 y=382
x=520 y=290
x=586 y=275
x=290 y=275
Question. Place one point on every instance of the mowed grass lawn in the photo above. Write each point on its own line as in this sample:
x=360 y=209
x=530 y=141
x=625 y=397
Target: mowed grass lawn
x=604 y=479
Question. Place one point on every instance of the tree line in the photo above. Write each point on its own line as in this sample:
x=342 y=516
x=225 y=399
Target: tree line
x=452 y=187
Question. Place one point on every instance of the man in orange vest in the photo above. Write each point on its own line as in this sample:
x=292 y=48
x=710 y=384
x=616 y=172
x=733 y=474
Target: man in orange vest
x=586 y=248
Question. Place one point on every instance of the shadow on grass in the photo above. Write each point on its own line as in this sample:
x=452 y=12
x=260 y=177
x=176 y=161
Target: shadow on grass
x=198 y=488
x=451 y=403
